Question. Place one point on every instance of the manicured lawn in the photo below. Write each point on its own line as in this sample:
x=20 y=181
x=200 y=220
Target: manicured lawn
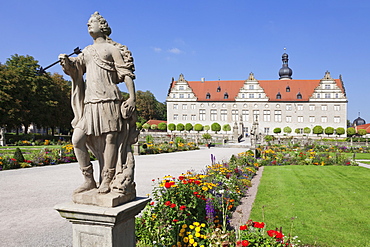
x=330 y=204
x=26 y=150
x=359 y=156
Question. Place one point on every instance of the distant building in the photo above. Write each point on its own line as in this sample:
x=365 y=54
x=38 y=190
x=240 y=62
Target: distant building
x=274 y=103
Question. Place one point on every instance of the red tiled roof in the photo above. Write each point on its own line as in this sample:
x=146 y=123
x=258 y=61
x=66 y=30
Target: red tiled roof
x=270 y=87
x=201 y=89
x=156 y=122
x=365 y=127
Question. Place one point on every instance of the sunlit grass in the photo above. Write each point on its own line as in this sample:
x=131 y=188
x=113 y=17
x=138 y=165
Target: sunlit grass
x=330 y=205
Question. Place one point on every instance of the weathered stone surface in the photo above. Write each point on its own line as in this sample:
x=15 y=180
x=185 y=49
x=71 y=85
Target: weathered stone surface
x=112 y=199
x=95 y=226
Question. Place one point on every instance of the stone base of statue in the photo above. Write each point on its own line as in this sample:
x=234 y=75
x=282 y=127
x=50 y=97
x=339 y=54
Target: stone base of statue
x=112 y=199
x=95 y=226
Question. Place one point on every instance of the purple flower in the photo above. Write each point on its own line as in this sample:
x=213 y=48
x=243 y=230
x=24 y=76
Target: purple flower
x=210 y=211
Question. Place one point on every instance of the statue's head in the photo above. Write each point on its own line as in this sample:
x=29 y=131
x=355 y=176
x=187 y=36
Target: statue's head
x=104 y=27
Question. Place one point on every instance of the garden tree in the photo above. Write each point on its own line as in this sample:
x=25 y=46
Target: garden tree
x=162 y=126
x=180 y=127
x=153 y=126
x=317 y=130
x=269 y=138
x=207 y=136
x=351 y=131
x=226 y=128
x=329 y=131
x=215 y=127
x=188 y=127
x=139 y=126
x=340 y=131
x=307 y=130
x=198 y=127
x=361 y=132
x=59 y=112
x=297 y=131
x=26 y=96
x=206 y=128
x=277 y=130
x=287 y=130
x=146 y=126
x=171 y=127
x=148 y=107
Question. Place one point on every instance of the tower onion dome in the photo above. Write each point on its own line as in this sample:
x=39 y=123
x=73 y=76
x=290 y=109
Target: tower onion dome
x=359 y=121
x=285 y=72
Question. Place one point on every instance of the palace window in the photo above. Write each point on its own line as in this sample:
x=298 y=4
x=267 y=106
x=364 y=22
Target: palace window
x=218 y=89
x=300 y=119
x=266 y=116
x=336 y=107
x=175 y=117
x=278 y=95
x=300 y=107
x=287 y=89
x=327 y=96
x=223 y=115
x=226 y=95
x=312 y=119
x=202 y=114
x=327 y=86
x=175 y=106
x=208 y=96
x=299 y=96
x=213 y=115
x=256 y=114
x=336 y=119
x=324 y=107
x=251 y=87
x=324 y=119
x=184 y=117
x=234 y=115
x=312 y=107
x=193 y=117
x=245 y=115
x=288 y=119
x=251 y=95
x=184 y=106
x=288 y=107
x=181 y=95
x=277 y=116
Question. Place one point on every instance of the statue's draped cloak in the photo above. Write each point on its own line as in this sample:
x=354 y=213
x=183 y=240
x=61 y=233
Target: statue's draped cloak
x=96 y=104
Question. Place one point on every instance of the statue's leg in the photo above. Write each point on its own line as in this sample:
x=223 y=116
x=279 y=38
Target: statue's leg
x=83 y=158
x=110 y=161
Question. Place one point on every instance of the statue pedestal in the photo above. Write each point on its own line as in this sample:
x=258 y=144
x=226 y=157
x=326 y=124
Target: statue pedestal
x=101 y=226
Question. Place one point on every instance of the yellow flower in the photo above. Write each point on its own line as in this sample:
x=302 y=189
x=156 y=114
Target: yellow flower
x=191 y=240
x=190 y=236
x=196 y=224
x=191 y=227
x=197 y=229
x=184 y=225
x=203 y=225
x=197 y=234
x=186 y=239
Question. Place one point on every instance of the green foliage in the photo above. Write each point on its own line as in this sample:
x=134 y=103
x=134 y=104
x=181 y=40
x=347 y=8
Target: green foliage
x=146 y=126
x=153 y=127
x=329 y=131
x=361 y=132
x=277 y=130
x=207 y=136
x=179 y=139
x=287 y=130
x=188 y=127
x=149 y=139
x=18 y=156
x=198 y=127
x=30 y=98
x=226 y=127
x=216 y=127
x=171 y=127
x=318 y=130
x=139 y=126
x=180 y=127
x=162 y=126
x=269 y=138
x=297 y=131
x=206 y=127
x=148 y=107
x=340 y=131
x=307 y=130
x=351 y=131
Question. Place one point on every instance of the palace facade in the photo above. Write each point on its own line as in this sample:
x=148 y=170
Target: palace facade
x=274 y=104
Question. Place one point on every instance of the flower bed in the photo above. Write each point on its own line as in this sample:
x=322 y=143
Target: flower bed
x=45 y=156
x=194 y=209
x=151 y=148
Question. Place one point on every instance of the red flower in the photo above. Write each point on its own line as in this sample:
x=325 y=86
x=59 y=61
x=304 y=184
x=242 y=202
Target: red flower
x=152 y=203
x=167 y=203
x=169 y=184
x=182 y=207
x=181 y=177
x=245 y=243
x=258 y=224
x=173 y=205
x=197 y=182
x=195 y=193
x=243 y=227
x=153 y=179
x=275 y=234
x=175 y=220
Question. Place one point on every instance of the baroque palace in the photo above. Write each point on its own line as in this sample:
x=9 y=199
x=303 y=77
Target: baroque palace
x=274 y=104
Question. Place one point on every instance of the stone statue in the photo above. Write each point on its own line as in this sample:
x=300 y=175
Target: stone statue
x=103 y=123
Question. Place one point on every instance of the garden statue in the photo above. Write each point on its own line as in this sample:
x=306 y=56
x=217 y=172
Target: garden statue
x=103 y=122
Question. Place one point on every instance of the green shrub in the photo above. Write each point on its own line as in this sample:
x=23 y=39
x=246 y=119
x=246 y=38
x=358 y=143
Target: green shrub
x=18 y=156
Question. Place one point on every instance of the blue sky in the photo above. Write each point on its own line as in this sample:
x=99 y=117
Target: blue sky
x=213 y=39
